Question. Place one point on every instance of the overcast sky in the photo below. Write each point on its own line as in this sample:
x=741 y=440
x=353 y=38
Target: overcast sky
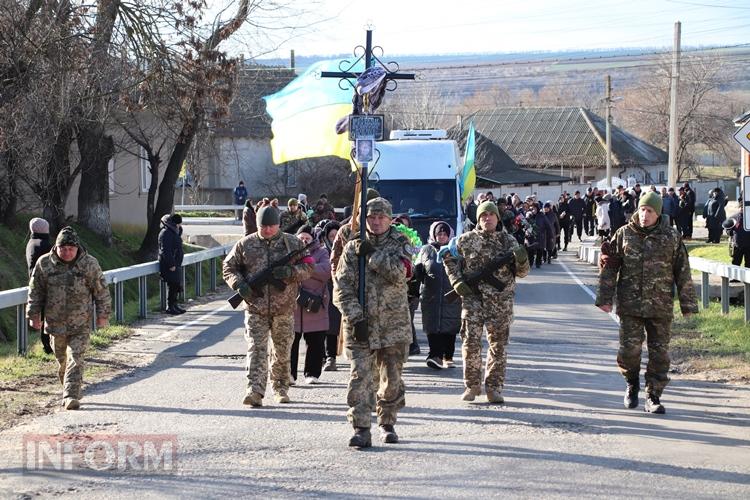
x=470 y=26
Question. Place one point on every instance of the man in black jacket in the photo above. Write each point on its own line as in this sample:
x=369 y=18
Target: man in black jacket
x=170 y=259
x=589 y=220
x=576 y=208
x=37 y=246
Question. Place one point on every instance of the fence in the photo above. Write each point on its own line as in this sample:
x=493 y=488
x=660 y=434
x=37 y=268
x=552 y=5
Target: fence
x=18 y=297
x=590 y=253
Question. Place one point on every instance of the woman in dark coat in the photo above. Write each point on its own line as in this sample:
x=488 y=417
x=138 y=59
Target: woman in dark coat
x=441 y=316
x=37 y=246
x=170 y=259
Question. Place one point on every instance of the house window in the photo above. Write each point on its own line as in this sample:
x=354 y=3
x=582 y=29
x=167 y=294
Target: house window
x=111 y=172
x=662 y=177
x=145 y=172
x=291 y=176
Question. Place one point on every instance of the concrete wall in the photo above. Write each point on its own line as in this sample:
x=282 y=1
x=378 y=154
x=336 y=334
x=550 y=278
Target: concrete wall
x=248 y=160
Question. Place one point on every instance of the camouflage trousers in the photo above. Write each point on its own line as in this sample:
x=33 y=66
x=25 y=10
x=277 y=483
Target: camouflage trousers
x=69 y=350
x=363 y=383
x=656 y=332
x=257 y=332
x=498 y=332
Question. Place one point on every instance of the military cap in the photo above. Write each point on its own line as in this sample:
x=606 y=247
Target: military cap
x=379 y=206
x=67 y=237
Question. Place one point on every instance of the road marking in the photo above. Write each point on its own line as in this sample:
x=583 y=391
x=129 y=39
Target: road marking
x=586 y=289
x=167 y=334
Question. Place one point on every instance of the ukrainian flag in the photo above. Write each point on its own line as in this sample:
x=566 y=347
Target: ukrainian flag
x=469 y=173
x=305 y=113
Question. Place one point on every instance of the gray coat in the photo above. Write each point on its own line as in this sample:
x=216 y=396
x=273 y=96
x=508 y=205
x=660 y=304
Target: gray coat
x=439 y=314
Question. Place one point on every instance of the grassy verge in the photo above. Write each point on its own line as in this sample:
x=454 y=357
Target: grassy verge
x=712 y=251
x=713 y=341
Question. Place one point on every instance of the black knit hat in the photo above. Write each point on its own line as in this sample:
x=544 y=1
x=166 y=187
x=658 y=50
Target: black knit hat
x=268 y=216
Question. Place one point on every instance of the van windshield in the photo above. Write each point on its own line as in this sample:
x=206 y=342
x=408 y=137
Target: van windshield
x=420 y=198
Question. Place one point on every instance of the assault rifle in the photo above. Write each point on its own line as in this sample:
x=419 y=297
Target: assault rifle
x=259 y=280
x=486 y=274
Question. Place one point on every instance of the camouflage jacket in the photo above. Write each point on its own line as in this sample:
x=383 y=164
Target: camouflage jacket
x=345 y=235
x=650 y=261
x=252 y=254
x=66 y=293
x=475 y=250
x=385 y=293
x=290 y=222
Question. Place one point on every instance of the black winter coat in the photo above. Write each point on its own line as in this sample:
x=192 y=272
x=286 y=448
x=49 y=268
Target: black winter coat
x=170 y=251
x=576 y=208
x=37 y=246
x=439 y=314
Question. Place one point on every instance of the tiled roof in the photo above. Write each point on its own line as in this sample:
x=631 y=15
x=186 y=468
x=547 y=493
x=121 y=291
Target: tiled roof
x=495 y=167
x=248 y=116
x=561 y=136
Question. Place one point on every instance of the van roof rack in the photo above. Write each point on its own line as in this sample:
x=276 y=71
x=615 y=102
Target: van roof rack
x=402 y=135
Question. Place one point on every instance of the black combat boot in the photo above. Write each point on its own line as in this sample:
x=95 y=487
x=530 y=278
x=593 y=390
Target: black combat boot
x=631 y=394
x=361 y=438
x=388 y=434
x=653 y=405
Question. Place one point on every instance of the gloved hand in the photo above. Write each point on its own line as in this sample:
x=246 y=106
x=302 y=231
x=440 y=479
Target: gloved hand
x=463 y=289
x=361 y=332
x=282 y=272
x=363 y=248
x=245 y=291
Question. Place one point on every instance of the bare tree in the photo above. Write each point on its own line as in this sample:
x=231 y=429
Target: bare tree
x=704 y=114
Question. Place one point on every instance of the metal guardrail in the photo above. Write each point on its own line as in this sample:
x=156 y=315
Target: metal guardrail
x=215 y=208
x=18 y=297
x=590 y=253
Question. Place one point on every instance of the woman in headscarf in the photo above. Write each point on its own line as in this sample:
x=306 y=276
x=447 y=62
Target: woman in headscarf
x=441 y=316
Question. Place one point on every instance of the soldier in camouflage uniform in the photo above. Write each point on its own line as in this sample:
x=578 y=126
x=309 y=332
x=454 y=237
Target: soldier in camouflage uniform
x=65 y=284
x=485 y=306
x=377 y=336
x=273 y=312
x=345 y=234
x=640 y=265
x=294 y=218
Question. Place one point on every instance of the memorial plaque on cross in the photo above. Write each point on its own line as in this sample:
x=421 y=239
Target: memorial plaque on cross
x=365 y=127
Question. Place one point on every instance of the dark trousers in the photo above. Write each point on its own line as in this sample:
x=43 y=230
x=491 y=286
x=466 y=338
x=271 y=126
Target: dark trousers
x=332 y=345
x=173 y=291
x=589 y=224
x=536 y=256
x=567 y=232
x=313 y=356
x=442 y=345
x=579 y=227
x=738 y=254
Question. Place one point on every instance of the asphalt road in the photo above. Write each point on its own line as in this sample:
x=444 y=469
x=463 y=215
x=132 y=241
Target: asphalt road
x=562 y=433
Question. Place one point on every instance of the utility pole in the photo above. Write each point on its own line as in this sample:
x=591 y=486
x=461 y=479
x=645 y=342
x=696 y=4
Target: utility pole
x=674 y=139
x=608 y=131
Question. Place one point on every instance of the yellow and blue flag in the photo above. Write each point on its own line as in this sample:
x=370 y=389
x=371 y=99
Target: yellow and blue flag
x=305 y=113
x=469 y=174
